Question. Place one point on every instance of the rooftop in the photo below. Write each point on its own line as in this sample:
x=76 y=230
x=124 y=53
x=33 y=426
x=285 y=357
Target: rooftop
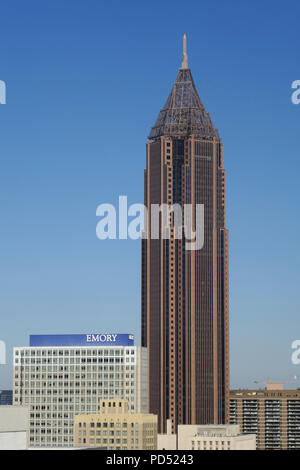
x=184 y=114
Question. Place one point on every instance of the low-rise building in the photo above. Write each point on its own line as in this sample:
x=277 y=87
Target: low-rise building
x=14 y=426
x=207 y=437
x=214 y=437
x=167 y=441
x=116 y=428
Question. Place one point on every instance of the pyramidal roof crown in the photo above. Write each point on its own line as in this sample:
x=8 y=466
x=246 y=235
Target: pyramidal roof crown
x=184 y=114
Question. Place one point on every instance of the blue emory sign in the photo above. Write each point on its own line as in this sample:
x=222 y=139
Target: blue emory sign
x=96 y=339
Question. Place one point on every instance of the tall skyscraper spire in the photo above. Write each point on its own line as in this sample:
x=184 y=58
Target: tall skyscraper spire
x=184 y=63
x=185 y=293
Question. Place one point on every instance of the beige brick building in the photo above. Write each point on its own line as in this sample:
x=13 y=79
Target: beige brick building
x=115 y=428
x=273 y=414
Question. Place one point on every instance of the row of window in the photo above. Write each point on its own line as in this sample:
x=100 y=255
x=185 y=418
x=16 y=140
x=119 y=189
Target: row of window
x=106 y=433
x=77 y=376
x=41 y=370
x=62 y=388
x=76 y=352
x=108 y=441
x=51 y=440
x=106 y=425
x=80 y=360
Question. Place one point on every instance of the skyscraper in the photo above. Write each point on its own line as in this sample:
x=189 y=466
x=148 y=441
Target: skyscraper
x=185 y=292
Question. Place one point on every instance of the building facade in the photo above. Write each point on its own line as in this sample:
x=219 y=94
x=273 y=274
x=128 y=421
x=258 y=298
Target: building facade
x=116 y=428
x=57 y=382
x=6 y=397
x=184 y=289
x=272 y=414
x=207 y=437
x=214 y=438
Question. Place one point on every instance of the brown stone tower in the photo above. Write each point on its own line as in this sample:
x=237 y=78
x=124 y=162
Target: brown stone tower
x=185 y=293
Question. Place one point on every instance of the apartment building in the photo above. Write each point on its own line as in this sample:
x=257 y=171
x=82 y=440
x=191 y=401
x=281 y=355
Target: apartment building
x=273 y=414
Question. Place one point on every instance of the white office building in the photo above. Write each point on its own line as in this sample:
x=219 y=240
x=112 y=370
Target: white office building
x=60 y=376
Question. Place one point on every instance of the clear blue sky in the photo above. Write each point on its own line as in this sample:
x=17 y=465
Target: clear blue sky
x=85 y=82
